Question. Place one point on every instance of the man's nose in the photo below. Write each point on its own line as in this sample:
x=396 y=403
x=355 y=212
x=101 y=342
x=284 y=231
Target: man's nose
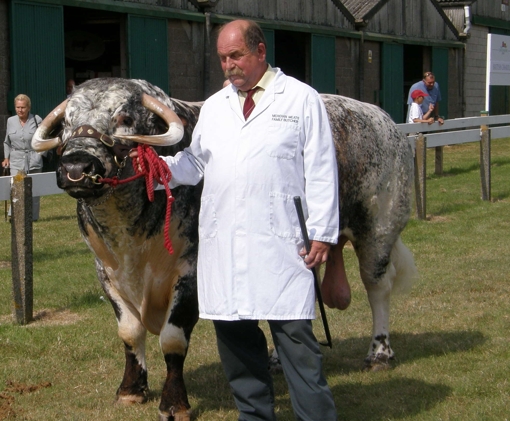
x=229 y=63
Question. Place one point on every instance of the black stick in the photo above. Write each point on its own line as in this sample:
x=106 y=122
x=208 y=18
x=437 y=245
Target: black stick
x=301 y=217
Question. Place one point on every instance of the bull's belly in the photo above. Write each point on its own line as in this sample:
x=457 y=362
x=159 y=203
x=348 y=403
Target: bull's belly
x=142 y=275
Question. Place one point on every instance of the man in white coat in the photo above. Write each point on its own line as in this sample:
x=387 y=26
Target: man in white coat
x=251 y=263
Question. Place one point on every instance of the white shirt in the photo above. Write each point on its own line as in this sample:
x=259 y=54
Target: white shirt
x=248 y=263
x=415 y=112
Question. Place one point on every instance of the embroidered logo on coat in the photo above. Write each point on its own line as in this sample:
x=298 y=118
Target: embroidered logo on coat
x=285 y=118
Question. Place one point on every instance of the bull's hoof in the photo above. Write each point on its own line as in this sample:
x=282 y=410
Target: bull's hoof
x=274 y=365
x=131 y=399
x=178 y=416
x=375 y=363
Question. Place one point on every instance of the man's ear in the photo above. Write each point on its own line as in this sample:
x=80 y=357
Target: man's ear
x=261 y=50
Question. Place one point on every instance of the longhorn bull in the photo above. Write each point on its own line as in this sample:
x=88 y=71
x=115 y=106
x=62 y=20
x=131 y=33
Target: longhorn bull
x=149 y=289
x=152 y=290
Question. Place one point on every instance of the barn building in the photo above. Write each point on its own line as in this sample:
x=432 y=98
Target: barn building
x=372 y=50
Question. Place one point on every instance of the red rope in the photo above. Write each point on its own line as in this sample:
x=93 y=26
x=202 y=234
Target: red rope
x=149 y=165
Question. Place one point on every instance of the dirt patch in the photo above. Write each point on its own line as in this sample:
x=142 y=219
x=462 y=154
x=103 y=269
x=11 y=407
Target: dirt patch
x=55 y=318
x=7 y=400
x=21 y=388
x=49 y=317
x=5 y=264
x=6 y=404
x=435 y=218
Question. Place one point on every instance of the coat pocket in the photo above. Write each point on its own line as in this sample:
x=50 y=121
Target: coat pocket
x=208 y=224
x=283 y=140
x=283 y=216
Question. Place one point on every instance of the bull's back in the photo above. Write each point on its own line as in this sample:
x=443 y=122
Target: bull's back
x=374 y=163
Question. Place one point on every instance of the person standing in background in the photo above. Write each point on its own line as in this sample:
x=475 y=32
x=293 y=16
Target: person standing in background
x=429 y=85
x=18 y=152
x=70 y=84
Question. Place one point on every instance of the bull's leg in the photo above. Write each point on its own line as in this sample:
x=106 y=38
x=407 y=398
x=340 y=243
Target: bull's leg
x=335 y=289
x=174 y=404
x=174 y=341
x=134 y=386
x=378 y=272
x=380 y=351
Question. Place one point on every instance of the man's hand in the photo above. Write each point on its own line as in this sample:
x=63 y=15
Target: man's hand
x=440 y=121
x=318 y=254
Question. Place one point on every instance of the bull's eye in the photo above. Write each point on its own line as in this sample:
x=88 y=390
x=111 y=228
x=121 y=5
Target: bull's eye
x=128 y=121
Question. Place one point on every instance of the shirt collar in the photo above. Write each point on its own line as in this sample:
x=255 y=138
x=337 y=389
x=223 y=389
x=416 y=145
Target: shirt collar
x=264 y=81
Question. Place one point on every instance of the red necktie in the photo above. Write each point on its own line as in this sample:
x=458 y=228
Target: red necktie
x=249 y=104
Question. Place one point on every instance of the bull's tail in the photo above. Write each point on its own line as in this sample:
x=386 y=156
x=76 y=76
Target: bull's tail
x=403 y=268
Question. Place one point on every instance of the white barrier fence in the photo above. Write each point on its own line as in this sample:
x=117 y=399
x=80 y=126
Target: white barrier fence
x=473 y=129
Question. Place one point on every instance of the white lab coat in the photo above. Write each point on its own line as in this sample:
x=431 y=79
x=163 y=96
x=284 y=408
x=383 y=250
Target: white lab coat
x=248 y=262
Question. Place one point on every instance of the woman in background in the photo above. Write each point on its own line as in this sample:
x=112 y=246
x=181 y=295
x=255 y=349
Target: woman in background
x=18 y=152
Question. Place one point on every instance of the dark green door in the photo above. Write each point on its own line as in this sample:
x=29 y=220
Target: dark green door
x=440 y=70
x=148 y=50
x=269 y=35
x=37 y=55
x=323 y=64
x=392 y=82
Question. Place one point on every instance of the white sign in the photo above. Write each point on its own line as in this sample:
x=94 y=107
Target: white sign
x=498 y=63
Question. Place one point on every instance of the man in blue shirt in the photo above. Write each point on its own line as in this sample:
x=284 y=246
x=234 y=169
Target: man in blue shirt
x=429 y=85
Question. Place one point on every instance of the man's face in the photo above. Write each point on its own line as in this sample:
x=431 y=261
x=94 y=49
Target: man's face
x=241 y=66
x=22 y=109
x=429 y=82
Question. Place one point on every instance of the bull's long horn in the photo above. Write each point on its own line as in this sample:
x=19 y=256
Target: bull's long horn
x=175 y=130
x=39 y=141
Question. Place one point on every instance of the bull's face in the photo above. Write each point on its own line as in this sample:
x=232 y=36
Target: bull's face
x=84 y=163
x=102 y=121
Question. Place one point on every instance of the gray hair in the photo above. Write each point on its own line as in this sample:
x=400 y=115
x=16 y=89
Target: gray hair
x=23 y=97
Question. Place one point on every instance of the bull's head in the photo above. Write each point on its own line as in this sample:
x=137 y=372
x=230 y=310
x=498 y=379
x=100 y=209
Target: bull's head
x=101 y=122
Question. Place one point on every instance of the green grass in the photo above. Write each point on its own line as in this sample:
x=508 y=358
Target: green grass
x=450 y=334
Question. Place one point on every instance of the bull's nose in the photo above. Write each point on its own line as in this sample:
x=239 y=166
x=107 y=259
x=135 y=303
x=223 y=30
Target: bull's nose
x=75 y=171
x=74 y=166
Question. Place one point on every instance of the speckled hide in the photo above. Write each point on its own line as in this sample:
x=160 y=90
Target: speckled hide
x=149 y=289
x=375 y=163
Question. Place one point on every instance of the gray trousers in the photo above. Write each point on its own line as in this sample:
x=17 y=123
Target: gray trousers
x=243 y=352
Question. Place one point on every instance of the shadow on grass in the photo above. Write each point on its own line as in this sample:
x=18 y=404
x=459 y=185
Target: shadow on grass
x=347 y=355
x=452 y=171
x=388 y=400
x=69 y=217
x=90 y=299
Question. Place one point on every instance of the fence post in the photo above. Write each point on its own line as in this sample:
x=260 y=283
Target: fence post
x=420 y=174
x=485 y=159
x=21 y=248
